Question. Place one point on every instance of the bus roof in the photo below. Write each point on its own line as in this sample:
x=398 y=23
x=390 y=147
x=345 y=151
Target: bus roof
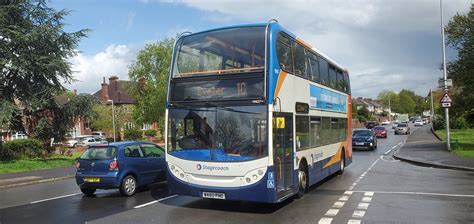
x=280 y=27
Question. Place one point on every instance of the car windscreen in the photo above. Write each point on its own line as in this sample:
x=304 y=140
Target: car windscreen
x=100 y=153
x=379 y=128
x=402 y=125
x=362 y=133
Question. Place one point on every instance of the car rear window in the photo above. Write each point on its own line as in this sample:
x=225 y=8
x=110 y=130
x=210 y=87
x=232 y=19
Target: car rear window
x=379 y=128
x=100 y=153
x=362 y=133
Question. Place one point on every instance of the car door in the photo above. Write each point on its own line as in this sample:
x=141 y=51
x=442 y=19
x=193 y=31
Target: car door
x=155 y=156
x=137 y=163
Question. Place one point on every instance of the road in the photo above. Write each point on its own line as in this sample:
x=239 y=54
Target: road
x=374 y=189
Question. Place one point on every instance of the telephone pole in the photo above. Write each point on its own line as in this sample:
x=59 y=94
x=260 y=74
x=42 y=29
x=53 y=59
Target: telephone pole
x=446 y=109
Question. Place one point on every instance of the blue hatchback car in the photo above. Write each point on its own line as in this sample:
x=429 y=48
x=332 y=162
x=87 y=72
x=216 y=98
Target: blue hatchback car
x=123 y=165
x=364 y=138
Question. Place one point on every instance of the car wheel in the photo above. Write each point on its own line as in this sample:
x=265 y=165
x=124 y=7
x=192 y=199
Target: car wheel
x=302 y=181
x=74 y=146
x=89 y=192
x=342 y=164
x=128 y=186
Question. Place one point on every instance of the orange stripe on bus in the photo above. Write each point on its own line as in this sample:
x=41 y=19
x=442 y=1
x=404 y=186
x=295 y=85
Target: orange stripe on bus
x=301 y=41
x=335 y=158
x=281 y=78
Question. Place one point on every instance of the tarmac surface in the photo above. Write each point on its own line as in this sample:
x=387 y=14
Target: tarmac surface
x=376 y=188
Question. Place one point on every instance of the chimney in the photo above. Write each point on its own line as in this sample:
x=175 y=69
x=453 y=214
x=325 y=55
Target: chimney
x=104 y=91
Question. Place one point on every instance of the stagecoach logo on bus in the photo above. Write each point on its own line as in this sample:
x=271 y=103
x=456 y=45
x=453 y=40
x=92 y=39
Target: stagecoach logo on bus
x=211 y=168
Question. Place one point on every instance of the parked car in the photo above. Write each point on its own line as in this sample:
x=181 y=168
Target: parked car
x=122 y=165
x=364 y=138
x=402 y=128
x=371 y=124
x=385 y=122
x=73 y=142
x=380 y=131
x=99 y=134
x=91 y=141
x=419 y=123
x=395 y=123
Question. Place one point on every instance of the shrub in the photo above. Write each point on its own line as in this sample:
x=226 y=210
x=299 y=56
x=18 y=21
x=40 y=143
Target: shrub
x=438 y=122
x=150 y=133
x=28 y=148
x=458 y=123
x=133 y=134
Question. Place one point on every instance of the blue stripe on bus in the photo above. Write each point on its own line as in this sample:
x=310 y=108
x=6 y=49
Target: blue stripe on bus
x=205 y=155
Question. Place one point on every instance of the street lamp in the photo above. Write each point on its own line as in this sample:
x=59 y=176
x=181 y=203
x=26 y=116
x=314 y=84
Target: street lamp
x=113 y=117
x=445 y=76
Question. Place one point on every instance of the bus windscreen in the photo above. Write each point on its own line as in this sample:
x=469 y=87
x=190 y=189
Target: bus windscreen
x=233 y=50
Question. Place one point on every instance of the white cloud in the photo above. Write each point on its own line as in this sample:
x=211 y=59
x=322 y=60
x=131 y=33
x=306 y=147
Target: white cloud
x=89 y=70
x=385 y=44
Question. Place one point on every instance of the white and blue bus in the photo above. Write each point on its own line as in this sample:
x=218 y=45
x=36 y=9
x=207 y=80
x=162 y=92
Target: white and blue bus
x=254 y=113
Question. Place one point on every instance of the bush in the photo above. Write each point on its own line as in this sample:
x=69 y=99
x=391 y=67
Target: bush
x=438 y=122
x=109 y=139
x=150 y=133
x=132 y=134
x=458 y=123
x=28 y=148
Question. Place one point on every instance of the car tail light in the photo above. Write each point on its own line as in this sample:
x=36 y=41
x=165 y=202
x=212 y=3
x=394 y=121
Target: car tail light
x=113 y=165
x=78 y=164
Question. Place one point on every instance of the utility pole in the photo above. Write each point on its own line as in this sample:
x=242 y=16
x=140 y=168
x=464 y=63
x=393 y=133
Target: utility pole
x=446 y=109
x=432 y=110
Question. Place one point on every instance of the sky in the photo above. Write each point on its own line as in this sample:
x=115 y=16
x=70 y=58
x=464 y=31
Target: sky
x=385 y=44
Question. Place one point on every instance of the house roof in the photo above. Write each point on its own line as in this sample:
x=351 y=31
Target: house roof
x=117 y=91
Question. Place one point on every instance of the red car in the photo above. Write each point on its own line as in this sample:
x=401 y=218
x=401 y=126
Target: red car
x=380 y=131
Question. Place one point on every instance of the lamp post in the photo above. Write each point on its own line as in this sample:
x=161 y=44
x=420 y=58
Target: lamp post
x=445 y=76
x=113 y=118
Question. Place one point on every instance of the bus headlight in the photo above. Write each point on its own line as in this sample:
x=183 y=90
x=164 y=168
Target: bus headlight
x=254 y=176
x=177 y=172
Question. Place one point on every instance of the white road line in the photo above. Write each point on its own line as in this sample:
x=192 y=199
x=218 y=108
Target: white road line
x=367 y=199
x=332 y=212
x=421 y=193
x=395 y=146
x=387 y=152
x=353 y=221
x=348 y=192
x=369 y=193
x=325 y=220
x=358 y=214
x=338 y=204
x=58 y=197
x=155 y=201
x=362 y=205
x=344 y=198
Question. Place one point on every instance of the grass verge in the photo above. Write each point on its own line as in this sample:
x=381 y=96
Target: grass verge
x=20 y=165
x=462 y=141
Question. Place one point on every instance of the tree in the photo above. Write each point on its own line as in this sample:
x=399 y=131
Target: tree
x=407 y=104
x=33 y=65
x=103 y=120
x=385 y=96
x=460 y=36
x=150 y=72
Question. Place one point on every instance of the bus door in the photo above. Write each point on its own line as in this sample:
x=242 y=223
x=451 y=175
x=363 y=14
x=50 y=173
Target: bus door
x=283 y=153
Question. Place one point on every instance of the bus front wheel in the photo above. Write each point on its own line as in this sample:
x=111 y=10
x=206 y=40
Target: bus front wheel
x=302 y=180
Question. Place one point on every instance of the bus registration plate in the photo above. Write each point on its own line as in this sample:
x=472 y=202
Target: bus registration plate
x=213 y=195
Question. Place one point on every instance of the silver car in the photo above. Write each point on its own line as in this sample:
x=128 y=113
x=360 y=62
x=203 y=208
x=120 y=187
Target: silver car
x=402 y=128
x=91 y=141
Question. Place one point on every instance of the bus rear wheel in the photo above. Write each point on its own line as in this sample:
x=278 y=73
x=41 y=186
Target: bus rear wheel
x=342 y=163
x=302 y=181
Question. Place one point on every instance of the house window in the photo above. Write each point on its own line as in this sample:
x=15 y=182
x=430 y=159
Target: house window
x=146 y=127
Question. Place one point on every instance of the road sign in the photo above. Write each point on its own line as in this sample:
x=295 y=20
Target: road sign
x=446 y=99
x=445 y=105
x=447 y=82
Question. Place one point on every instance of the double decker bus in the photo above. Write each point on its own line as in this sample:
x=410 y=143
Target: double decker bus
x=254 y=113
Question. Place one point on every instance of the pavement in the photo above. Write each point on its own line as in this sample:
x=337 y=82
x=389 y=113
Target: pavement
x=36 y=176
x=424 y=148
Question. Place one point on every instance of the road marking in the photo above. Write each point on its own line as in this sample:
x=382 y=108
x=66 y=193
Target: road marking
x=58 y=197
x=353 y=221
x=421 y=193
x=416 y=142
x=155 y=201
x=363 y=206
x=332 y=212
x=348 y=192
x=325 y=220
x=344 y=198
x=367 y=199
x=358 y=214
x=369 y=193
x=338 y=204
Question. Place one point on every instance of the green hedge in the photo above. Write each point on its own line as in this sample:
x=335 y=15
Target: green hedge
x=150 y=133
x=21 y=148
x=133 y=134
